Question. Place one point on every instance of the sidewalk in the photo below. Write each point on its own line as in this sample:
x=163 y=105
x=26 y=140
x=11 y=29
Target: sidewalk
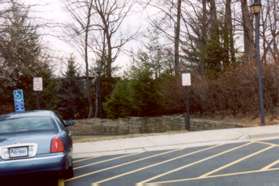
x=171 y=141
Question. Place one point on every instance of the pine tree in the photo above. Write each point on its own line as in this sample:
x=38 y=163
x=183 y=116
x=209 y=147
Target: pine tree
x=20 y=54
x=70 y=94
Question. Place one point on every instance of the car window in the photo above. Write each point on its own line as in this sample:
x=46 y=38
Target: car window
x=26 y=124
x=60 y=120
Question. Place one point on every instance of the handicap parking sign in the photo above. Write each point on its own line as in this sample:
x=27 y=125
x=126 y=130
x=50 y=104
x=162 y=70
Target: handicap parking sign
x=18 y=100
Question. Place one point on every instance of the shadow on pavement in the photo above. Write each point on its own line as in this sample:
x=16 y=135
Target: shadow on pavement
x=35 y=181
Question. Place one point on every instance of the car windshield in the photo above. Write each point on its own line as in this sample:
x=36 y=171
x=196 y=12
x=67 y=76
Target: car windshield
x=26 y=124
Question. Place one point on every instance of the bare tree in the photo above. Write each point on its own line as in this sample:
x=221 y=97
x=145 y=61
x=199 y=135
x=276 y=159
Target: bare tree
x=108 y=18
x=247 y=23
x=270 y=31
x=22 y=55
x=81 y=13
x=168 y=22
x=213 y=20
x=97 y=30
x=177 y=38
x=229 y=37
x=20 y=49
x=195 y=34
x=204 y=36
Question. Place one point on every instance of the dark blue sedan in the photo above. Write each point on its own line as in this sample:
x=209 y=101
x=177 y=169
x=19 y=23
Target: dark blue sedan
x=35 y=142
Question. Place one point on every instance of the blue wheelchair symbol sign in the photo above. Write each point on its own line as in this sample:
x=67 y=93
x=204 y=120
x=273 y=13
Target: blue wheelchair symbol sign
x=19 y=100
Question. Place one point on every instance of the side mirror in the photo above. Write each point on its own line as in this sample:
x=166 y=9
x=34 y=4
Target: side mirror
x=69 y=123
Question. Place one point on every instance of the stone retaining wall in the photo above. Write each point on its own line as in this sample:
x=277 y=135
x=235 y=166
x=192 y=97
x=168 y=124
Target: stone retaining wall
x=137 y=125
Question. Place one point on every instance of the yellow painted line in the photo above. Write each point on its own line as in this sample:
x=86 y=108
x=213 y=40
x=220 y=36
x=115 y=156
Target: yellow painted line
x=192 y=164
x=104 y=161
x=84 y=159
x=61 y=182
x=169 y=182
x=153 y=165
x=120 y=165
x=266 y=143
x=236 y=162
x=267 y=167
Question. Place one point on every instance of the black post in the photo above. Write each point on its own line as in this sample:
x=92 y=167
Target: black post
x=259 y=69
x=187 y=106
x=38 y=100
x=98 y=94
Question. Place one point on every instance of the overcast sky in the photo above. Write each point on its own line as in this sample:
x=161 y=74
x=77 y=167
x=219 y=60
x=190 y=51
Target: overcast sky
x=53 y=11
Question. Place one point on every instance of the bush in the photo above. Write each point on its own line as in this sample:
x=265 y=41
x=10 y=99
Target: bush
x=233 y=92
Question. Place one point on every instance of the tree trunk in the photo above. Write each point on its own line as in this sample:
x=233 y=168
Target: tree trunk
x=229 y=39
x=249 y=48
x=88 y=81
x=204 y=36
x=103 y=61
x=177 y=39
x=214 y=60
x=88 y=86
x=98 y=103
x=275 y=31
x=214 y=26
x=109 y=57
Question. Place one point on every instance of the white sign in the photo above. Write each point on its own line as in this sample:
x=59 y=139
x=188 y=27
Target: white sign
x=186 y=79
x=38 y=84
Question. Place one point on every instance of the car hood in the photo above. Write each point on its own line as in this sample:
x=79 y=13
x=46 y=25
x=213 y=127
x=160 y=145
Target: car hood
x=43 y=140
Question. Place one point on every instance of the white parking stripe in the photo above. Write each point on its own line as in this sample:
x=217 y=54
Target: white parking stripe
x=120 y=165
x=192 y=164
x=236 y=161
x=267 y=167
x=104 y=161
x=84 y=159
x=171 y=182
x=266 y=143
x=153 y=165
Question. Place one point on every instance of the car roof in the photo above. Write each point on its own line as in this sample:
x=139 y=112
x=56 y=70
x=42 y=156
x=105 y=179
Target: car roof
x=27 y=114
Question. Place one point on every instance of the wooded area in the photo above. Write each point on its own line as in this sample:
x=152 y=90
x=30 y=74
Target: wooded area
x=211 y=39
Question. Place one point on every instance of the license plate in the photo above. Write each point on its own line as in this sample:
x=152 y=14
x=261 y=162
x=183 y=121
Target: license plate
x=17 y=152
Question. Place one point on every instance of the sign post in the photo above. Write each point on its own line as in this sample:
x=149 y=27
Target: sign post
x=186 y=83
x=19 y=100
x=38 y=87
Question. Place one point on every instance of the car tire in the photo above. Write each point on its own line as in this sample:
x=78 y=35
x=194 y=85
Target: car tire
x=69 y=173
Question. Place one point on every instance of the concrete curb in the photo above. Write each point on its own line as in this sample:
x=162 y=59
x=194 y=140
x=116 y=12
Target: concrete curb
x=174 y=141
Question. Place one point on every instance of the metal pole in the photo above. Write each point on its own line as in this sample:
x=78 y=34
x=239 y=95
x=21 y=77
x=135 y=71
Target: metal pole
x=187 y=105
x=38 y=100
x=98 y=92
x=260 y=69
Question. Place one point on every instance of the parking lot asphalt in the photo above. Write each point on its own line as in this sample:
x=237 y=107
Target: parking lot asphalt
x=249 y=163
x=32 y=181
